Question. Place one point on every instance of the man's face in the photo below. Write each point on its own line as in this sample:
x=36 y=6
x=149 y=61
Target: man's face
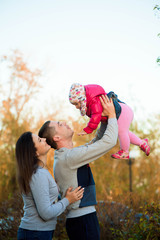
x=62 y=129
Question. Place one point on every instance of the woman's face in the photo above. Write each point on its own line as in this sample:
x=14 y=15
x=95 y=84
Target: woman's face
x=41 y=145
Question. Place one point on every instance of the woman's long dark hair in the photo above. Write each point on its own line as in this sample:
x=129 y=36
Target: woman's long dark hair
x=27 y=161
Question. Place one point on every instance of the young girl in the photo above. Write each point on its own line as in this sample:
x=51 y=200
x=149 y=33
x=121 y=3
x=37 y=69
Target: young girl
x=86 y=99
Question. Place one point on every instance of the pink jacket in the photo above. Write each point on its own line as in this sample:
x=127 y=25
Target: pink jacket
x=94 y=107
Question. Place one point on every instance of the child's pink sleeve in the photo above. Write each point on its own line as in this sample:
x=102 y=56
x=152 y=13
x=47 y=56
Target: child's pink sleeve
x=96 y=114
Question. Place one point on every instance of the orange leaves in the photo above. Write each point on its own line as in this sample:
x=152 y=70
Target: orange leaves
x=21 y=87
x=18 y=90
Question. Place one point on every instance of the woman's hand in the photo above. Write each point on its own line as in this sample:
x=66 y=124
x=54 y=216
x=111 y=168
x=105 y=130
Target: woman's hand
x=108 y=107
x=75 y=195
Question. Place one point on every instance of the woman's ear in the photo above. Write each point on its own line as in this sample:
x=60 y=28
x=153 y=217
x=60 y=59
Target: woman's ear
x=37 y=153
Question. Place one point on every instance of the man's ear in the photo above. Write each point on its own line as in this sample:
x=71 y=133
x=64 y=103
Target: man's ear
x=56 y=138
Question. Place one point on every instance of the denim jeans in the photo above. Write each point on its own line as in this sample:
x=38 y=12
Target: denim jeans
x=85 y=227
x=24 y=234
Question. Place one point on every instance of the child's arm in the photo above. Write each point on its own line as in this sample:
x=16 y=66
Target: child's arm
x=95 y=118
x=96 y=113
x=82 y=133
x=101 y=130
x=92 y=124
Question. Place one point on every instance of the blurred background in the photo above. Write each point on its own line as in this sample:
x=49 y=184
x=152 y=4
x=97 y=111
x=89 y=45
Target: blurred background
x=45 y=46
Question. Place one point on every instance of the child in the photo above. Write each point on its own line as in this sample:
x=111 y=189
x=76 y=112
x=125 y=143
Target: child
x=86 y=99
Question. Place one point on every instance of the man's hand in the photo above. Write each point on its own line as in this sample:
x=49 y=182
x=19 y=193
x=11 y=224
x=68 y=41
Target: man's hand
x=108 y=107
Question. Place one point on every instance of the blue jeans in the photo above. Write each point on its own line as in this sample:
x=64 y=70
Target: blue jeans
x=83 y=228
x=24 y=234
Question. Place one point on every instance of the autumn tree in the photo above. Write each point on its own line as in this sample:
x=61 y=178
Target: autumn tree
x=15 y=114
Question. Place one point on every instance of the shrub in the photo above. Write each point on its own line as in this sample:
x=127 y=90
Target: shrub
x=147 y=227
x=11 y=212
x=10 y=216
x=117 y=221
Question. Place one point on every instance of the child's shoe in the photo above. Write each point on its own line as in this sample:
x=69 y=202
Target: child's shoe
x=145 y=146
x=121 y=155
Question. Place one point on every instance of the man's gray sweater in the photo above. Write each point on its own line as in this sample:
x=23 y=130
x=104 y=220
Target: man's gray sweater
x=71 y=167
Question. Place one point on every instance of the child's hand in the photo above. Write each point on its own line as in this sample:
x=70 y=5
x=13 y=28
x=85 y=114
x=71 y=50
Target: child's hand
x=82 y=133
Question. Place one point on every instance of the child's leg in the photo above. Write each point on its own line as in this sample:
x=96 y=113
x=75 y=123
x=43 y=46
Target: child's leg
x=126 y=137
x=134 y=139
x=124 y=122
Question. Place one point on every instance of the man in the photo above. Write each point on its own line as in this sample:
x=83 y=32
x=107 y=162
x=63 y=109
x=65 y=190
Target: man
x=71 y=168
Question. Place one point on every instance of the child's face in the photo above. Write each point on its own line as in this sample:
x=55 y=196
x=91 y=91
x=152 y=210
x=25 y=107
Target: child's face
x=77 y=105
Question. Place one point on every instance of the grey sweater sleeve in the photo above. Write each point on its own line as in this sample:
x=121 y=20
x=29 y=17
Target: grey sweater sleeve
x=99 y=132
x=40 y=191
x=82 y=155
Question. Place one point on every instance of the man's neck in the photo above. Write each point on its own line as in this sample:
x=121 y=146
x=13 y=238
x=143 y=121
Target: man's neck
x=65 y=144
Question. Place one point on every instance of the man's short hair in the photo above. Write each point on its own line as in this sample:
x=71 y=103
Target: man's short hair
x=48 y=132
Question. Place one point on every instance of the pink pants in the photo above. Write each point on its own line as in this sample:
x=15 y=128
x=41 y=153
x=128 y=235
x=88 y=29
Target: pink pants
x=125 y=136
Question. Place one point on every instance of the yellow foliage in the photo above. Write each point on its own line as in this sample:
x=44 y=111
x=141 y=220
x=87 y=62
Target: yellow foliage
x=111 y=175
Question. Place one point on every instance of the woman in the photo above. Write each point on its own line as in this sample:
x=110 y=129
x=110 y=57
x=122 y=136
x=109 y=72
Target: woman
x=39 y=190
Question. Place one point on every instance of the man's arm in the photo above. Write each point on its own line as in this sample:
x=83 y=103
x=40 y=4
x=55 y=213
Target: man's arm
x=79 y=156
x=82 y=155
x=99 y=133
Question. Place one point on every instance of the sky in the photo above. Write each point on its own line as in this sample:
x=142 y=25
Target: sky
x=110 y=43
